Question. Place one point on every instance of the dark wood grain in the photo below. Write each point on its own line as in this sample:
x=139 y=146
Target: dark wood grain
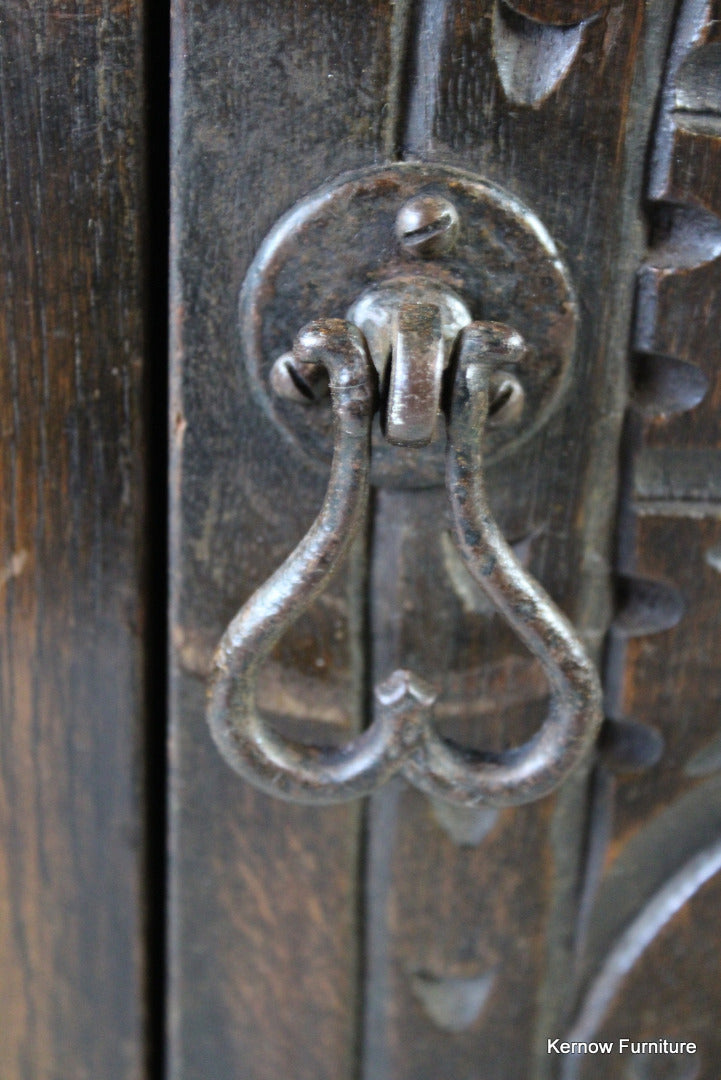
x=271 y=99
x=507 y=907
x=71 y=513
x=442 y=918
x=663 y=666
x=654 y=904
x=670 y=679
x=475 y=927
x=682 y=1005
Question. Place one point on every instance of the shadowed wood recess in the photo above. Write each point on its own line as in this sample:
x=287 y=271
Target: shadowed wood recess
x=71 y=542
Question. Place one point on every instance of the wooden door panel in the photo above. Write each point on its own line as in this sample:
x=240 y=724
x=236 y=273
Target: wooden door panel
x=401 y=939
x=264 y=971
x=655 y=813
x=72 y=513
x=456 y=918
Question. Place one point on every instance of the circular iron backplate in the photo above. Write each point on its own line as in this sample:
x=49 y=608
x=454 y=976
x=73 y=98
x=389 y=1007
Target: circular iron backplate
x=334 y=245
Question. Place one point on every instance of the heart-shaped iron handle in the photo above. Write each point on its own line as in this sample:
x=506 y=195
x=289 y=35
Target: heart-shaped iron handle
x=402 y=738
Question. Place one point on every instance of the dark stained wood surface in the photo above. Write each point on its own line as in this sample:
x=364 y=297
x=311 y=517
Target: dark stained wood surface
x=72 y=982
x=404 y=941
x=454 y=945
x=672 y=993
x=270 y=100
x=401 y=939
x=660 y=815
x=504 y=910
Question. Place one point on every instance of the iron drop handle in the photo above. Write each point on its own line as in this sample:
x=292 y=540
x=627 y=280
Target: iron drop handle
x=402 y=738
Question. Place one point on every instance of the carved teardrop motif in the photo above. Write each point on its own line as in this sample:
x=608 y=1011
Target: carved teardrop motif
x=532 y=58
x=557 y=12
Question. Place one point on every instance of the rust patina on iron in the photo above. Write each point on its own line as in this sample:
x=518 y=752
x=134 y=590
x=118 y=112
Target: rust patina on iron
x=402 y=738
x=367 y=241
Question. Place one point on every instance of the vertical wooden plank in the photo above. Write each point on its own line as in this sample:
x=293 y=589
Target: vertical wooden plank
x=661 y=813
x=455 y=925
x=71 y=542
x=271 y=98
x=474 y=934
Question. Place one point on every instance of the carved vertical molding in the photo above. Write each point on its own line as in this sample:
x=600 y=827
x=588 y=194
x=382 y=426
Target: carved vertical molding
x=657 y=822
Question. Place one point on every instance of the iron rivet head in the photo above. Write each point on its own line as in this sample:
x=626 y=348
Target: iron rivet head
x=297 y=381
x=507 y=399
x=427 y=226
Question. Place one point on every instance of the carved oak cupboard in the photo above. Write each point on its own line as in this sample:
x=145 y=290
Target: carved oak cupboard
x=468 y=251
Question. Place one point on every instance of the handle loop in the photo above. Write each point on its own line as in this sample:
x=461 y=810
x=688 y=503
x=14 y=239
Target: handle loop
x=530 y=771
x=402 y=737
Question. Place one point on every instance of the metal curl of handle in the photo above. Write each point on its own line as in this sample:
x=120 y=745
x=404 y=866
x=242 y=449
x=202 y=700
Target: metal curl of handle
x=532 y=770
x=402 y=737
x=277 y=765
